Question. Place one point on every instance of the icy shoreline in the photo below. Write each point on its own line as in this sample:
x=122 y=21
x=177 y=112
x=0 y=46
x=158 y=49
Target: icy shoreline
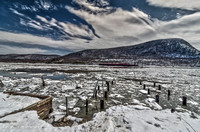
x=132 y=118
x=139 y=110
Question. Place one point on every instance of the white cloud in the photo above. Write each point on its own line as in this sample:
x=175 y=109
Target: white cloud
x=184 y=4
x=91 y=6
x=75 y=30
x=16 y=12
x=65 y=27
x=120 y=28
x=187 y=27
x=131 y=27
x=113 y=26
x=18 y=50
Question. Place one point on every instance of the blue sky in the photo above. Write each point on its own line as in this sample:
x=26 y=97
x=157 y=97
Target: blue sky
x=49 y=27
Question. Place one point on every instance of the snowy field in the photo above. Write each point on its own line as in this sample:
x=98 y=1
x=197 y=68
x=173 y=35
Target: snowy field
x=128 y=107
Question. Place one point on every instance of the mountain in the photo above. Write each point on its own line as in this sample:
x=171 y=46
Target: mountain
x=173 y=51
x=27 y=58
x=174 y=48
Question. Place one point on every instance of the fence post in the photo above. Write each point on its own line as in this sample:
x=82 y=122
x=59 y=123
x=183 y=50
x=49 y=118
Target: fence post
x=108 y=86
x=106 y=95
x=159 y=87
x=66 y=103
x=144 y=86
x=1 y=83
x=112 y=82
x=168 y=93
x=101 y=104
x=157 y=99
x=184 y=100
x=43 y=82
x=86 y=106
x=148 y=91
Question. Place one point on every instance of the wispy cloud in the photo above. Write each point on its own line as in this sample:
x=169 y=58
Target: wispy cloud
x=119 y=28
x=19 y=50
x=183 y=4
x=131 y=27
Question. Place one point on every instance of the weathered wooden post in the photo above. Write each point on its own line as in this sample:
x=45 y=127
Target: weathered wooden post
x=157 y=99
x=102 y=104
x=95 y=94
x=1 y=83
x=43 y=82
x=154 y=84
x=66 y=103
x=53 y=120
x=86 y=106
x=184 y=100
x=108 y=86
x=112 y=82
x=102 y=86
x=159 y=87
x=168 y=93
x=172 y=110
x=105 y=95
x=148 y=91
x=144 y=86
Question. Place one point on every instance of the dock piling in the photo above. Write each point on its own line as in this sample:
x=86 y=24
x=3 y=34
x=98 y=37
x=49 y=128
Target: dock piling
x=157 y=99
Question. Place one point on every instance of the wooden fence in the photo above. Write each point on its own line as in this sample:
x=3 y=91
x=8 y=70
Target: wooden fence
x=43 y=107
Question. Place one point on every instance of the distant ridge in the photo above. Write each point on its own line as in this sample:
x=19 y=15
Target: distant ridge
x=173 y=51
x=27 y=58
x=173 y=48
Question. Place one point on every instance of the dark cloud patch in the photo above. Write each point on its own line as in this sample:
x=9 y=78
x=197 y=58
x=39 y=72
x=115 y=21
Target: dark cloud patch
x=133 y=20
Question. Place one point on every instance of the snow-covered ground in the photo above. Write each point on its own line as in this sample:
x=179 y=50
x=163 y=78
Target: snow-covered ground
x=135 y=118
x=10 y=103
x=139 y=112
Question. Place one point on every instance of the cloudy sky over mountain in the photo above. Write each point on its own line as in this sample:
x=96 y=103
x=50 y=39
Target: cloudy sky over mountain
x=64 y=26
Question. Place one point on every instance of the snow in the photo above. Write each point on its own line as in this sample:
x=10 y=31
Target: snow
x=74 y=118
x=151 y=102
x=118 y=118
x=139 y=113
x=10 y=103
x=143 y=91
x=65 y=87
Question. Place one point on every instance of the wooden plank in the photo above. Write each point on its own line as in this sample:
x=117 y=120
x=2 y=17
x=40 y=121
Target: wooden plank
x=27 y=94
x=42 y=107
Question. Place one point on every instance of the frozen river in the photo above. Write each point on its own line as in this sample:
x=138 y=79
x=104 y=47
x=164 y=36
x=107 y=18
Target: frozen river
x=62 y=81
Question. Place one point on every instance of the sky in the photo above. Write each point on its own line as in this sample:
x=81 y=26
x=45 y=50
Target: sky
x=82 y=24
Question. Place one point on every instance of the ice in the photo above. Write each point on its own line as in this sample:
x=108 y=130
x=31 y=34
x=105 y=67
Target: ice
x=62 y=107
x=142 y=115
x=76 y=110
x=143 y=91
x=193 y=102
x=65 y=87
x=151 y=102
x=74 y=118
x=135 y=101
